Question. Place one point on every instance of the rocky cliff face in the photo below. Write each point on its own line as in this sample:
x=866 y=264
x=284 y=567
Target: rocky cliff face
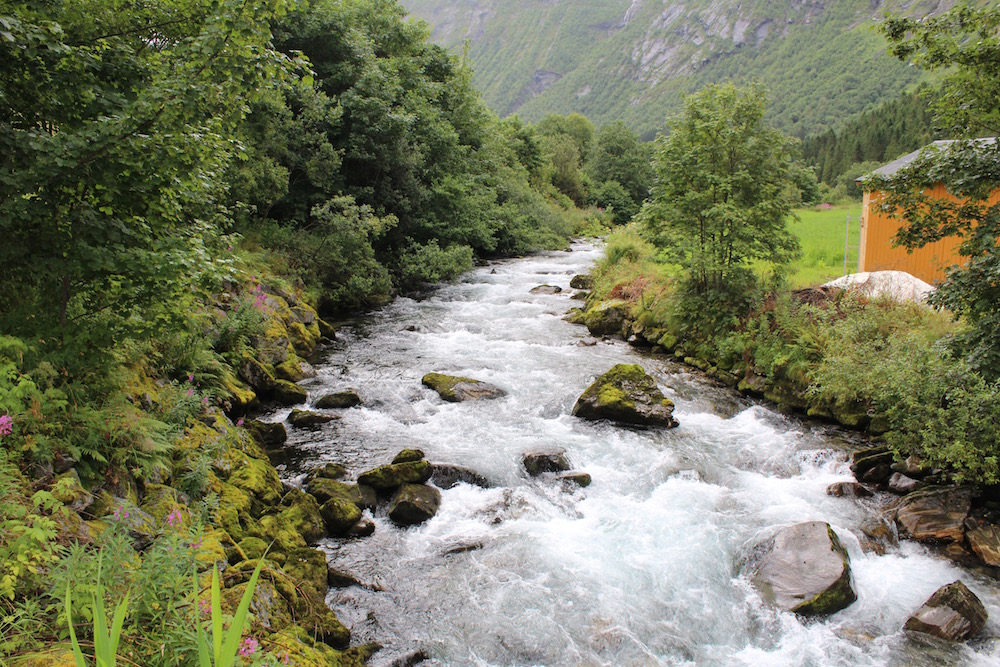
x=634 y=59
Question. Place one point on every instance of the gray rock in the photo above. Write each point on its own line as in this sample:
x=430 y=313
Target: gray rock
x=305 y=418
x=446 y=476
x=575 y=477
x=458 y=389
x=414 y=503
x=581 y=281
x=540 y=461
x=546 y=289
x=901 y=484
x=363 y=528
x=807 y=571
x=935 y=514
x=953 y=613
x=848 y=489
x=268 y=434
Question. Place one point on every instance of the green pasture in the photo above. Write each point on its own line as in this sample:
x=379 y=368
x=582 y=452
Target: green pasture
x=821 y=233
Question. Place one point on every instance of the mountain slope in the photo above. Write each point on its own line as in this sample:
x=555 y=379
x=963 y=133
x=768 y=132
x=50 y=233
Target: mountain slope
x=633 y=60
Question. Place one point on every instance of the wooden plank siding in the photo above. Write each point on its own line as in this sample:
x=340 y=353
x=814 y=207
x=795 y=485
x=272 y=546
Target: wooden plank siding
x=877 y=252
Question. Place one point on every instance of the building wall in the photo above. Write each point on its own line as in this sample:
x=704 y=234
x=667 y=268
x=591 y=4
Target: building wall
x=877 y=252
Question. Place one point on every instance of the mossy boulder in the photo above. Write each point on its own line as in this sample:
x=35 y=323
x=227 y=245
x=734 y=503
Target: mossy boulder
x=257 y=374
x=252 y=548
x=258 y=478
x=324 y=489
x=68 y=490
x=414 y=503
x=581 y=281
x=288 y=393
x=211 y=551
x=302 y=512
x=626 y=394
x=162 y=501
x=408 y=455
x=308 y=567
x=294 y=369
x=456 y=389
x=282 y=534
x=302 y=649
x=307 y=418
x=338 y=400
x=268 y=434
x=607 y=318
x=330 y=471
x=233 y=510
x=387 y=477
x=340 y=515
x=239 y=399
x=807 y=571
x=59 y=655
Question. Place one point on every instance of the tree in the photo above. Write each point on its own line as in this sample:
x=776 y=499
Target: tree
x=619 y=156
x=964 y=43
x=724 y=192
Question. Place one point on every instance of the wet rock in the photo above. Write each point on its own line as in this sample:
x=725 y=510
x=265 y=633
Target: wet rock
x=587 y=342
x=935 y=514
x=807 y=571
x=984 y=539
x=302 y=512
x=848 y=489
x=362 y=528
x=546 y=289
x=268 y=434
x=878 y=535
x=877 y=475
x=306 y=418
x=288 y=393
x=463 y=547
x=540 y=461
x=294 y=369
x=912 y=467
x=384 y=478
x=446 y=476
x=336 y=578
x=414 y=503
x=408 y=456
x=458 y=389
x=953 y=613
x=607 y=317
x=865 y=460
x=628 y=395
x=575 y=477
x=581 y=281
x=410 y=659
x=330 y=471
x=369 y=497
x=340 y=515
x=324 y=489
x=901 y=484
x=341 y=399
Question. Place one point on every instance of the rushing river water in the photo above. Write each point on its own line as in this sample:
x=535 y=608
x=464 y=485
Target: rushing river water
x=647 y=566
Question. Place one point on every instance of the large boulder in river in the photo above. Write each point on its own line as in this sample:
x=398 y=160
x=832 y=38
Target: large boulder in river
x=935 y=514
x=340 y=399
x=626 y=394
x=953 y=613
x=540 y=461
x=384 y=478
x=607 y=317
x=807 y=571
x=457 y=389
x=414 y=503
x=446 y=476
x=546 y=289
x=984 y=538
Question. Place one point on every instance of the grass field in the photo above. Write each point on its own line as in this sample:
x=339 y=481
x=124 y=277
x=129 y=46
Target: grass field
x=821 y=234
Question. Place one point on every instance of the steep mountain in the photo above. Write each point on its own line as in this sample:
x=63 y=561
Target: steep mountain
x=633 y=60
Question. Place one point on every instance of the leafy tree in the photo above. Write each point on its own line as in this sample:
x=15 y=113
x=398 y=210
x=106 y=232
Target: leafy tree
x=723 y=194
x=964 y=42
x=619 y=156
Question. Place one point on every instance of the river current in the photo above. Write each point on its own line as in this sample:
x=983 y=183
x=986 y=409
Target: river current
x=647 y=566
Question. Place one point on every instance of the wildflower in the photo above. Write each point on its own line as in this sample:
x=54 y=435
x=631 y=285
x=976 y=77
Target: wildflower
x=190 y=392
x=284 y=657
x=205 y=400
x=120 y=513
x=191 y=377
x=248 y=647
x=239 y=422
x=174 y=517
x=6 y=425
x=204 y=607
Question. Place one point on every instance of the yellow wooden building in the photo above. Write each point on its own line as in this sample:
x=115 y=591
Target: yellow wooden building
x=878 y=230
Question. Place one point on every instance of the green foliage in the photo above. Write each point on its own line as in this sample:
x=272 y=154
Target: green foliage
x=721 y=202
x=619 y=156
x=105 y=639
x=225 y=644
x=430 y=263
x=610 y=195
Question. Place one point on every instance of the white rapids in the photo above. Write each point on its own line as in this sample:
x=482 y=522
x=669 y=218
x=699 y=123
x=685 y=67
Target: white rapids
x=648 y=565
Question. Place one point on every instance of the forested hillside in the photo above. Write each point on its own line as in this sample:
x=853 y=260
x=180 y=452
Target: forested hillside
x=632 y=60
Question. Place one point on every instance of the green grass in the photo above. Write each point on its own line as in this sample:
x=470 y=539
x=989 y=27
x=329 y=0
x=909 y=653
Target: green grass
x=821 y=234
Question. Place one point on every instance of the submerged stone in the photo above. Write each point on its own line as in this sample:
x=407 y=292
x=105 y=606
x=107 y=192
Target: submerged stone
x=626 y=394
x=446 y=476
x=807 y=571
x=414 y=503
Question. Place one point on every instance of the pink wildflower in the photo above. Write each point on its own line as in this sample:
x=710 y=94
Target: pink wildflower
x=6 y=425
x=239 y=422
x=191 y=377
x=174 y=517
x=204 y=607
x=248 y=647
x=190 y=392
x=205 y=400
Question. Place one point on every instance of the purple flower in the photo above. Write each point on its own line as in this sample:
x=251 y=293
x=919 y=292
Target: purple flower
x=191 y=377
x=6 y=425
x=239 y=422
x=174 y=517
x=190 y=392
x=248 y=647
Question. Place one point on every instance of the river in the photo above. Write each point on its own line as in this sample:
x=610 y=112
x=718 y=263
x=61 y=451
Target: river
x=644 y=567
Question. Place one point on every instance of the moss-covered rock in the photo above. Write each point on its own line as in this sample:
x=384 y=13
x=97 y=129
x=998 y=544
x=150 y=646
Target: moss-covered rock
x=408 y=455
x=339 y=515
x=628 y=395
x=302 y=512
x=239 y=399
x=288 y=393
x=338 y=400
x=59 y=655
x=299 y=648
x=607 y=318
x=575 y=316
x=233 y=510
x=252 y=548
x=457 y=389
x=211 y=550
x=307 y=418
x=307 y=567
x=582 y=281
x=330 y=471
x=268 y=434
x=324 y=489
x=278 y=531
x=257 y=374
x=294 y=369
x=259 y=479
x=68 y=490
x=414 y=503
x=387 y=477
x=161 y=502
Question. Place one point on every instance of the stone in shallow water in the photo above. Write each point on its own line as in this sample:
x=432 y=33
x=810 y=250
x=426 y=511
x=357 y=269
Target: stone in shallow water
x=341 y=399
x=848 y=489
x=626 y=394
x=807 y=571
x=984 y=540
x=305 y=418
x=546 y=289
x=458 y=389
x=936 y=514
x=953 y=613
x=414 y=503
x=446 y=476
x=539 y=461
x=384 y=478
